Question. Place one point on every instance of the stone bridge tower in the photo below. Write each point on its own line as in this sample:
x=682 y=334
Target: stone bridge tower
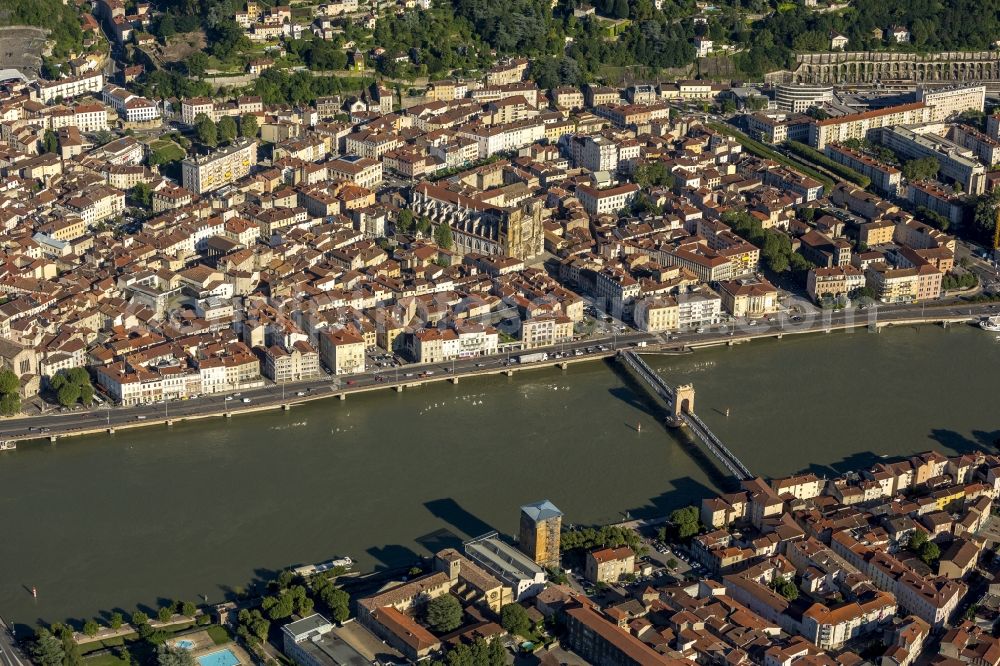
x=683 y=401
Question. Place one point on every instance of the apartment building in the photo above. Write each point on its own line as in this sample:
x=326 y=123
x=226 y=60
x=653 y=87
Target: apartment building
x=545 y=331
x=193 y=107
x=70 y=86
x=133 y=108
x=342 y=351
x=834 y=282
x=749 y=297
x=699 y=306
x=859 y=125
x=201 y=174
x=610 y=200
x=97 y=204
x=656 y=314
x=952 y=100
x=831 y=628
x=362 y=171
x=957 y=163
x=608 y=565
x=885 y=178
x=567 y=97
x=904 y=285
x=492 y=139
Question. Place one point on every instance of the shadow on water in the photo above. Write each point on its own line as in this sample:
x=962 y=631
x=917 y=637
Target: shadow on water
x=439 y=540
x=852 y=463
x=451 y=512
x=962 y=444
x=989 y=439
x=392 y=556
x=637 y=400
x=685 y=491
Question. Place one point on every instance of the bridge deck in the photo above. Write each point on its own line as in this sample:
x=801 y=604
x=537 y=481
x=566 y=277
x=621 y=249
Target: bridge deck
x=690 y=419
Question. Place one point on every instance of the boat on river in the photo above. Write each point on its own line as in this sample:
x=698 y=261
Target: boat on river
x=991 y=324
x=7 y=445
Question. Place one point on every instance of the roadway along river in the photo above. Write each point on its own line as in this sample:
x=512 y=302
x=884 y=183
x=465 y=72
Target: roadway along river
x=105 y=521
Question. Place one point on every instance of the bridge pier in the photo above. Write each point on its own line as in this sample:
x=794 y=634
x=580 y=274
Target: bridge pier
x=342 y=396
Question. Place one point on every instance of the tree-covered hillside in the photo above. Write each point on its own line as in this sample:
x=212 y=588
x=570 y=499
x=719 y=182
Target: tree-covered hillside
x=61 y=20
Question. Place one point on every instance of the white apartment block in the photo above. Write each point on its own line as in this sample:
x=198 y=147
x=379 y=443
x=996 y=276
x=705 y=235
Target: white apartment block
x=950 y=101
x=72 y=86
x=192 y=108
x=493 y=139
x=202 y=174
x=133 y=108
x=858 y=125
x=600 y=202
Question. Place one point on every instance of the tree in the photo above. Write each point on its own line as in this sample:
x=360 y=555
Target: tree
x=196 y=64
x=515 y=619
x=78 y=376
x=621 y=9
x=252 y=625
x=71 y=651
x=338 y=601
x=165 y=613
x=90 y=628
x=248 y=126
x=167 y=656
x=278 y=607
x=686 y=521
x=9 y=382
x=10 y=402
x=187 y=608
x=227 y=129
x=423 y=225
x=115 y=621
x=930 y=552
x=142 y=195
x=865 y=293
x=46 y=649
x=68 y=395
x=444 y=613
x=917 y=540
x=139 y=618
x=50 y=144
x=786 y=588
x=443 y=237
x=206 y=131
x=984 y=218
x=924 y=168
x=404 y=222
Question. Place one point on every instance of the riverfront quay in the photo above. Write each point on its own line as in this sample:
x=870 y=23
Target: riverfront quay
x=386 y=477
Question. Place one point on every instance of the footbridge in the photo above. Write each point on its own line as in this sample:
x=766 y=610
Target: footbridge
x=680 y=402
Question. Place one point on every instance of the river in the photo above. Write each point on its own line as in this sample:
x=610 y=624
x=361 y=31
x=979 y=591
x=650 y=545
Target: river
x=105 y=522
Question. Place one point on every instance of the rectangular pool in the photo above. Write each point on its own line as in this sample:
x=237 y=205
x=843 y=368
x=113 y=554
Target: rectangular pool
x=223 y=657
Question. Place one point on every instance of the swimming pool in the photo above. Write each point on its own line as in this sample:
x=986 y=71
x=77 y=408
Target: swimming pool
x=185 y=644
x=223 y=657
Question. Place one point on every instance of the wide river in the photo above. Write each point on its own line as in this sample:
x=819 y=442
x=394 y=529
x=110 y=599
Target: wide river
x=108 y=522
